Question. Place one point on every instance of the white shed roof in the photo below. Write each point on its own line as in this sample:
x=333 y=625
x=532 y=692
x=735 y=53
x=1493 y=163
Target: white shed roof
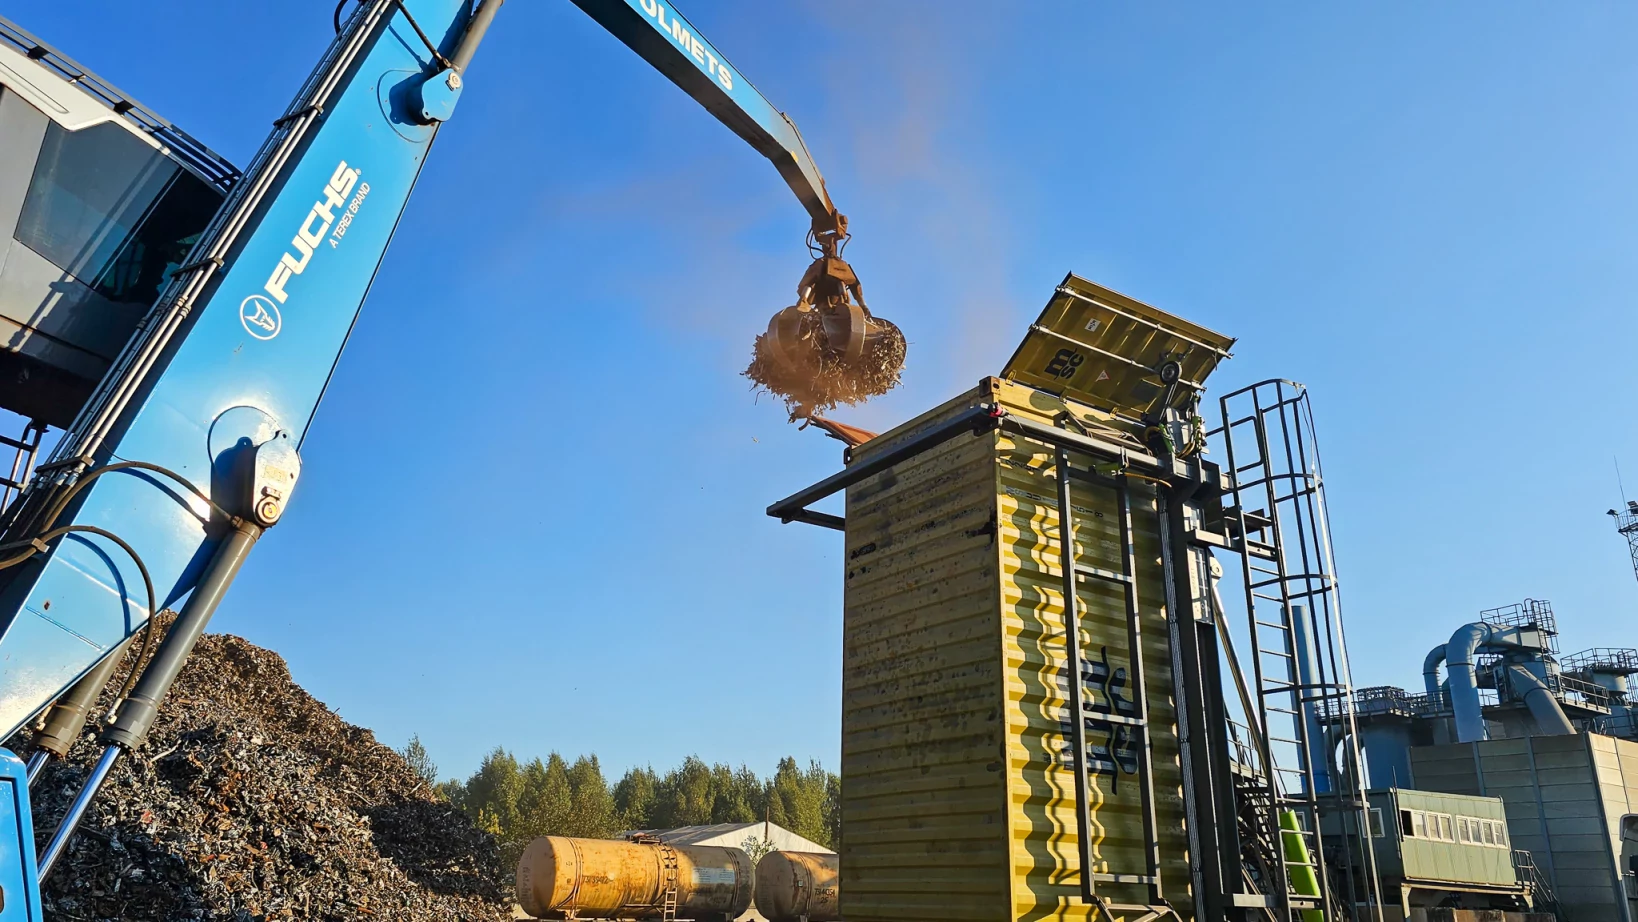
x=733 y=835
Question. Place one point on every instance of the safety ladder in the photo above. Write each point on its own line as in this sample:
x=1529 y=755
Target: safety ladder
x=1274 y=512
x=25 y=448
x=1075 y=570
x=668 y=883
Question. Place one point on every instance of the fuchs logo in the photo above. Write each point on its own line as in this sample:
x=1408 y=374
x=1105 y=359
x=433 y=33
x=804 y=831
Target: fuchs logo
x=312 y=230
x=260 y=317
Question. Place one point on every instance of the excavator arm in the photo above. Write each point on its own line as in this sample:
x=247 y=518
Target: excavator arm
x=668 y=41
x=829 y=329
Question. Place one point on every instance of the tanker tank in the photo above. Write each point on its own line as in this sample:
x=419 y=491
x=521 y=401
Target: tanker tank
x=798 y=887
x=564 y=878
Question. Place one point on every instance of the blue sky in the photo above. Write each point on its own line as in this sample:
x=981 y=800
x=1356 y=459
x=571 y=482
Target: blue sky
x=531 y=508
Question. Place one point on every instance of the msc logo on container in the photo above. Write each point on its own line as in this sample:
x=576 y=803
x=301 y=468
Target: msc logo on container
x=260 y=317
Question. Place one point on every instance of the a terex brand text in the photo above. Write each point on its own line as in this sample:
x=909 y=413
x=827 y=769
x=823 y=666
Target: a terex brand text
x=672 y=25
x=312 y=230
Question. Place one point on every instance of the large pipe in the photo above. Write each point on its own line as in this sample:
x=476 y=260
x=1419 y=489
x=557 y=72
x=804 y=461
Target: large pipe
x=1311 y=692
x=1464 y=685
x=1430 y=672
x=1550 y=719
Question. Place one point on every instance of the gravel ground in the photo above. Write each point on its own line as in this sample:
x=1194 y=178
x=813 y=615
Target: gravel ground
x=254 y=801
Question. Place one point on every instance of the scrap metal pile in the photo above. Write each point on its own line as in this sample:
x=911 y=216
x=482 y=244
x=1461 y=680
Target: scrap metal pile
x=253 y=801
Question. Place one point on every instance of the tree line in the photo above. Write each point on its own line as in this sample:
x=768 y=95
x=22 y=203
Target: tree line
x=518 y=801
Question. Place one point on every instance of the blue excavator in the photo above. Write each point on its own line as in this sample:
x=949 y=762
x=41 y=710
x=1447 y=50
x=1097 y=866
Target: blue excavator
x=177 y=321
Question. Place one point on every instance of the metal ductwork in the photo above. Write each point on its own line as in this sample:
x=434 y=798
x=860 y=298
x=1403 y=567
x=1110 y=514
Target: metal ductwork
x=1464 y=686
x=1550 y=719
x=1430 y=671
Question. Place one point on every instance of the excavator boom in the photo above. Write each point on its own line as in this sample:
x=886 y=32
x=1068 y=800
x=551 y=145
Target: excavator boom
x=668 y=41
x=188 y=449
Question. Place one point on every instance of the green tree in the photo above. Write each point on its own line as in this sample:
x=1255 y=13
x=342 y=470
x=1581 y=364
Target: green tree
x=454 y=791
x=419 y=761
x=686 y=796
x=634 y=799
x=833 y=812
x=545 y=803
x=797 y=799
x=491 y=795
x=756 y=847
x=591 y=811
x=518 y=802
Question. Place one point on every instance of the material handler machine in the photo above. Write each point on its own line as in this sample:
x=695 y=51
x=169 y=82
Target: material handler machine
x=182 y=418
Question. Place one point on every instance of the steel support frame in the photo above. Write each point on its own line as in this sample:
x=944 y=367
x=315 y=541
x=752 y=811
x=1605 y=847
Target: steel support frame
x=1197 y=663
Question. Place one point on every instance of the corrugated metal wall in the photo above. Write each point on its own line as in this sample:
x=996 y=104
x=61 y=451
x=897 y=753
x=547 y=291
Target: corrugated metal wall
x=1565 y=796
x=956 y=801
x=1046 y=863
x=923 y=795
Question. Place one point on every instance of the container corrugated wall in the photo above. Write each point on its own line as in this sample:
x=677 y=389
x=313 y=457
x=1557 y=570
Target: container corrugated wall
x=924 y=825
x=957 y=799
x=1045 y=850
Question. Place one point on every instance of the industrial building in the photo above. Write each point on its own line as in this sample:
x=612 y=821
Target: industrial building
x=1502 y=714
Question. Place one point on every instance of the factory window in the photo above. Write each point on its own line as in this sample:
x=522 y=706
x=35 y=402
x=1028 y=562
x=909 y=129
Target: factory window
x=111 y=211
x=1463 y=834
x=1407 y=826
x=1440 y=827
x=1489 y=832
x=1376 y=822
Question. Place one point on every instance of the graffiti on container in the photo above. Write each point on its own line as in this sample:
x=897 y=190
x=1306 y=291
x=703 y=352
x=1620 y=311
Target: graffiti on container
x=1117 y=753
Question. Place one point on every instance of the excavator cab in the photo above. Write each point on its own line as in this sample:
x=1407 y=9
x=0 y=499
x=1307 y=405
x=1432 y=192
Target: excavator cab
x=100 y=200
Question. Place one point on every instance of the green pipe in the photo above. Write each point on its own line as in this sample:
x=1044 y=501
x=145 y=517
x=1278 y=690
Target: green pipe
x=1299 y=863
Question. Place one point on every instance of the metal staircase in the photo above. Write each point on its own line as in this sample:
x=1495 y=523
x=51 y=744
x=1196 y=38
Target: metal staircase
x=1275 y=514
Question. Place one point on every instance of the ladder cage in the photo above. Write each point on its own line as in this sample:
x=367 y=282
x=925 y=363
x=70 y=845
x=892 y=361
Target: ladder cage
x=19 y=452
x=1289 y=629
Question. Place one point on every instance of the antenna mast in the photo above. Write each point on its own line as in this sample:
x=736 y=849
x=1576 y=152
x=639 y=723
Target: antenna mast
x=1626 y=523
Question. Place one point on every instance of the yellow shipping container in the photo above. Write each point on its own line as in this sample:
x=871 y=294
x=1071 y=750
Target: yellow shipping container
x=958 y=795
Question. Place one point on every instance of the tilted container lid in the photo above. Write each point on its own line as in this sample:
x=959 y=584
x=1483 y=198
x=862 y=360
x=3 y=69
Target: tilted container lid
x=1102 y=348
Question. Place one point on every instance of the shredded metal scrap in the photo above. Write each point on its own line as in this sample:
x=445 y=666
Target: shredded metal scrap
x=816 y=380
x=253 y=801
